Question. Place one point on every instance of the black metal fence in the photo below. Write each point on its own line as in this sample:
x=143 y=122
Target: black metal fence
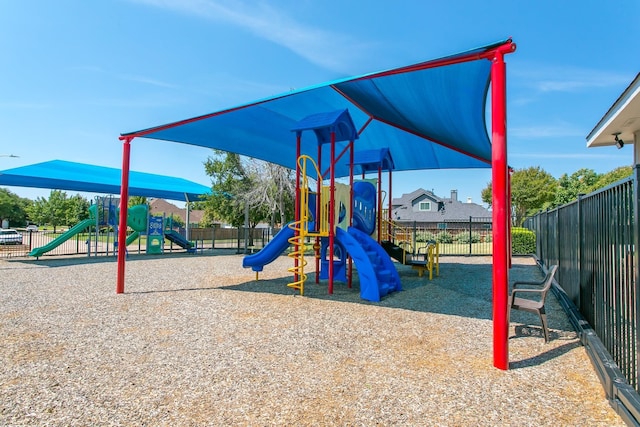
x=90 y=243
x=470 y=236
x=459 y=237
x=593 y=240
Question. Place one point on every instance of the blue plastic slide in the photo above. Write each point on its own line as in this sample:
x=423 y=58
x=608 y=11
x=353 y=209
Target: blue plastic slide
x=378 y=276
x=37 y=252
x=177 y=238
x=271 y=251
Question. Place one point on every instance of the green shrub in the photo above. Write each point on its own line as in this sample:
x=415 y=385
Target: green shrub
x=444 y=237
x=466 y=238
x=523 y=241
x=425 y=236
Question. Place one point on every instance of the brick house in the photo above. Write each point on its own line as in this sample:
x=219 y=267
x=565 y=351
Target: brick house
x=424 y=209
x=159 y=206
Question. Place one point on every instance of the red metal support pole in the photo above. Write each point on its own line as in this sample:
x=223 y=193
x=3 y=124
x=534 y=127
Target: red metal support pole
x=332 y=204
x=297 y=212
x=389 y=209
x=318 y=211
x=297 y=206
x=124 y=202
x=379 y=213
x=349 y=263
x=500 y=207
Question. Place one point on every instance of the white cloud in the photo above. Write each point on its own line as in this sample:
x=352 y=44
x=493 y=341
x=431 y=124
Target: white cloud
x=24 y=105
x=571 y=156
x=128 y=77
x=547 y=131
x=324 y=48
x=567 y=79
x=146 y=80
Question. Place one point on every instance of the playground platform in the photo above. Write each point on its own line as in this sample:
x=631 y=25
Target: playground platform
x=195 y=340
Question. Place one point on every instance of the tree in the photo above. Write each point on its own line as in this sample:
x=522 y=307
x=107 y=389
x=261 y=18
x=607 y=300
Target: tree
x=609 y=178
x=531 y=189
x=77 y=209
x=38 y=212
x=137 y=200
x=58 y=209
x=231 y=183
x=569 y=186
x=13 y=208
x=487 y=194
x=57 y=206
x=241 y=183
x=274 y=188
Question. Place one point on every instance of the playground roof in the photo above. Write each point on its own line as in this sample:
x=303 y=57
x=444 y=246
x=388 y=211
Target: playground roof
x=430 y=115
x=62 y=175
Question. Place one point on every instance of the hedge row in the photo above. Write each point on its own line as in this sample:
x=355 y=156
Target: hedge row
x=523 y=241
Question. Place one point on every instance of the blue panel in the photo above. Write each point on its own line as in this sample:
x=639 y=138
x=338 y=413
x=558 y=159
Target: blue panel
x=429 y=116
x=61 y=175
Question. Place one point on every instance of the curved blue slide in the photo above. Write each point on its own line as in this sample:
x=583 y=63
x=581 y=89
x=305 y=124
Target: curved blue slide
x=271 y=251
x=378 y=276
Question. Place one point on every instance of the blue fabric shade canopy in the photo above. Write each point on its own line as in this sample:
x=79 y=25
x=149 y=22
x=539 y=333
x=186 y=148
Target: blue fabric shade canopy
x=430 y=115
x=62 y=175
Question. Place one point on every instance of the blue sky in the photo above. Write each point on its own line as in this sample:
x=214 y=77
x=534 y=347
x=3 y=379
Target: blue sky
x=77 y=73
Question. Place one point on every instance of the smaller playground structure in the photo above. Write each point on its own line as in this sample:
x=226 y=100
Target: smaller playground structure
x=341 y=223
x=101 y=230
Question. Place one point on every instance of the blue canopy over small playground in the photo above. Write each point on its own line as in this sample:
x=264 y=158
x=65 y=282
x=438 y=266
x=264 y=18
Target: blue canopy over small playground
x=64 y=175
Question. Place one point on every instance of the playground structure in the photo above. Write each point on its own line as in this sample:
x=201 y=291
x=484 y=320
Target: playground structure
x=416 y=109
x=339 y=220
x=103 y=223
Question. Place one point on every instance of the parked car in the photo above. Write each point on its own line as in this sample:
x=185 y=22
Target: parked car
x=32 y=227
x=9 y=236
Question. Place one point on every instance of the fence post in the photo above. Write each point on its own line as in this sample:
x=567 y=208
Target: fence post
x=578 y=298
x=546 y=233
x=470 y=238
x=414 y=241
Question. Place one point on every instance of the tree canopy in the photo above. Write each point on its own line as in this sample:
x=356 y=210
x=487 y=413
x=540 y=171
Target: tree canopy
x=13 y=208
x=241 y=183
x=58 y=209
x=533 y=189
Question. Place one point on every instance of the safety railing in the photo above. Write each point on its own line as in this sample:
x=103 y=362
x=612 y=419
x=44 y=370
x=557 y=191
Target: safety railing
x=593 y=240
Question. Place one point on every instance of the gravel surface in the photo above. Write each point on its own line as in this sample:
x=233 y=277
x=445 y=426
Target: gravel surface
x=195 y=340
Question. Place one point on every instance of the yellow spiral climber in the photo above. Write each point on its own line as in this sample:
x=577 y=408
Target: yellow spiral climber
x=301 y=227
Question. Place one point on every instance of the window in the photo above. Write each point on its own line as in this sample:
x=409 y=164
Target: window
x=442 y=226
x=425 y=206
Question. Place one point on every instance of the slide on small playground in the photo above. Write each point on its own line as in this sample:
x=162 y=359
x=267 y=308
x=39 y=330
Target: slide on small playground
x=378 y=276
x=271 y=251
x=177 y=238
x=37 y=252
x=131 y=238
